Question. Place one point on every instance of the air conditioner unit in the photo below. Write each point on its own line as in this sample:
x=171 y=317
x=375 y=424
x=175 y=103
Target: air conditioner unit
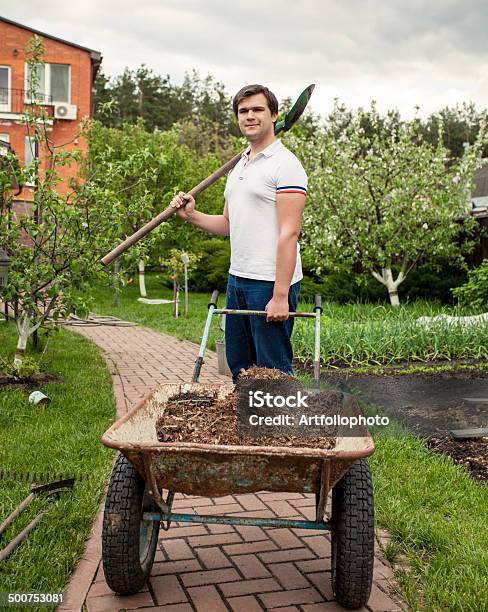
x=65 y=111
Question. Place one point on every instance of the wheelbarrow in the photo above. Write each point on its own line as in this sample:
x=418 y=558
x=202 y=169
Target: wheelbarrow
x=137 y=505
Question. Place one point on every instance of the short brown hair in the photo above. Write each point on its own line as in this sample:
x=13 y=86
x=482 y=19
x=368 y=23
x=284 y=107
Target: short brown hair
x=252 y=90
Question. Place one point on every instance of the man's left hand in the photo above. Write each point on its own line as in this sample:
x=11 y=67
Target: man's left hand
x=277 y=309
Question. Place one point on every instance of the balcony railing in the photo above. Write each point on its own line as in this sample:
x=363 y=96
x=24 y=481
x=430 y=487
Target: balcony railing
x=19 y=100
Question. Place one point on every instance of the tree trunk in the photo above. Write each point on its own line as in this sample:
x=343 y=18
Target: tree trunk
x=24 y=331
x=394 y=300
x=186 y=288
x=142 y=283
x=176 y=290
x=116 y=282
x=386 y=278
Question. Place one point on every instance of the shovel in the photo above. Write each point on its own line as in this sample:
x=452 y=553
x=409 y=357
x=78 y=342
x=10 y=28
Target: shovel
x=281 y=126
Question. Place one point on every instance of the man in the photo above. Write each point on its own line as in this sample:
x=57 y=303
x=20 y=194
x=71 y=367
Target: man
x=264 y=201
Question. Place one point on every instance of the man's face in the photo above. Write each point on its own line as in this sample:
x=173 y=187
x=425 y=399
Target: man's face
x=255 y=118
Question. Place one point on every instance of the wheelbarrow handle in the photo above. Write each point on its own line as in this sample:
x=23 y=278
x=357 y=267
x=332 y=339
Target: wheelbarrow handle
x=214 y=298
x=260 y=313
x=213 y=310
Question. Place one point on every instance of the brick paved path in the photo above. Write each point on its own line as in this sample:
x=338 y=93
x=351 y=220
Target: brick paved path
x=212 y=568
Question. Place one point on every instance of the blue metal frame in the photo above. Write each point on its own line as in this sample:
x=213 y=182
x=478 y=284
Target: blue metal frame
x=213 y=310
x=235 y=520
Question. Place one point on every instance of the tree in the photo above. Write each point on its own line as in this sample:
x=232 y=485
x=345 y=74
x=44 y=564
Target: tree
x=174 y=263
x=132 y=165
x=143 y=171
x=54 y=246
x=456 y=126
x=383 y=198
x=143 y=94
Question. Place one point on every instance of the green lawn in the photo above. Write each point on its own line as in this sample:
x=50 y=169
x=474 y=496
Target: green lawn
x=438 y=516
x=61 y=437
x=159 y=317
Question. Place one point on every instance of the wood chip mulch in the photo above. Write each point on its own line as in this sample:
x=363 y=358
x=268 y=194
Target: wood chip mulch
x=204 y=419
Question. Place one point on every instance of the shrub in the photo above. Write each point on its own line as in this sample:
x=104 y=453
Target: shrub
x=428 y=283
x=213 y=266
x=332 y=288
x=25 y=369
x=475 y=291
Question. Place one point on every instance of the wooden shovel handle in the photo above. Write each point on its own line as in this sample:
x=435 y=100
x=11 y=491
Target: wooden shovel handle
x=168 y=212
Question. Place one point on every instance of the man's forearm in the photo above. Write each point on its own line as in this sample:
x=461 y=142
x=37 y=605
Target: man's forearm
x=286 y=259
x=215 y=224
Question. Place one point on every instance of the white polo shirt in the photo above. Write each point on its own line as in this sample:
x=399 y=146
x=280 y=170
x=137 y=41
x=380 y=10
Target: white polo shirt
x=250 y=194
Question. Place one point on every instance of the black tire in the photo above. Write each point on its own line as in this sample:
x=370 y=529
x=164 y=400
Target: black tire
x=128 y=543
x=353 y=536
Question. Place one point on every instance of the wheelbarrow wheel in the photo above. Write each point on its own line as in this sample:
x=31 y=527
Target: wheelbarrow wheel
x=353 y=536
x=128 y=542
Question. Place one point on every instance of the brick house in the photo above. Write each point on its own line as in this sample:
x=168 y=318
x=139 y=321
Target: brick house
x=65 y=90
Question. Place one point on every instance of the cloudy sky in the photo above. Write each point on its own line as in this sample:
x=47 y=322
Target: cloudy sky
x=401 y=53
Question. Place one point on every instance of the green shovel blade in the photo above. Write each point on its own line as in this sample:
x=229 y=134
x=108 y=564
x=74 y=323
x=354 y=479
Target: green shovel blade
x=295 y=112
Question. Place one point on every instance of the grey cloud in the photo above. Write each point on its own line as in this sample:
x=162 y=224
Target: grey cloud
x=357 y=48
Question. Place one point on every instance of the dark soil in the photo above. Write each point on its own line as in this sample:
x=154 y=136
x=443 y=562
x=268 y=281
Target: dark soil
x=473 y=454
x=429 y=404
x=468 y=369
x=342 y=372
x=36 y=380
x=190 y=417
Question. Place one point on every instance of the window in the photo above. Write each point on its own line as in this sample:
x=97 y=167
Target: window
x=30 y=150
x=31 y=154
x=60 y=82
x=4 y=143
x=4 y=88
x=52 y=82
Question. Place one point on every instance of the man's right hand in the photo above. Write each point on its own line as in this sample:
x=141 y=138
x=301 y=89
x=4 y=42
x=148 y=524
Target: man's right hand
x=184 y=204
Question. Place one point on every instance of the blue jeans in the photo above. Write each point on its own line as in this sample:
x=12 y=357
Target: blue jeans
x=250 y=340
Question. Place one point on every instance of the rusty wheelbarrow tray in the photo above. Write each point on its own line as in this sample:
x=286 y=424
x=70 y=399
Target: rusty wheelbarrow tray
x=215 y=470
x=137 y=504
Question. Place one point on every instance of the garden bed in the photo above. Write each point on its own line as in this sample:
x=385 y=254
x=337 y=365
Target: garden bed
x=429 y=401
x=36 y=380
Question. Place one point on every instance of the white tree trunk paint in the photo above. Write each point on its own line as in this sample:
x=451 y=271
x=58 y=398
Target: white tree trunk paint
x=116 y=282
x=24 y=329
x=142 y=282
x=386 y=278
x=24 y=332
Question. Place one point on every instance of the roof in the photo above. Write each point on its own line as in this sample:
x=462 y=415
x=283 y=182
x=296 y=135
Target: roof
x=96 y=56
x=479 y=195
x=481 y=181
